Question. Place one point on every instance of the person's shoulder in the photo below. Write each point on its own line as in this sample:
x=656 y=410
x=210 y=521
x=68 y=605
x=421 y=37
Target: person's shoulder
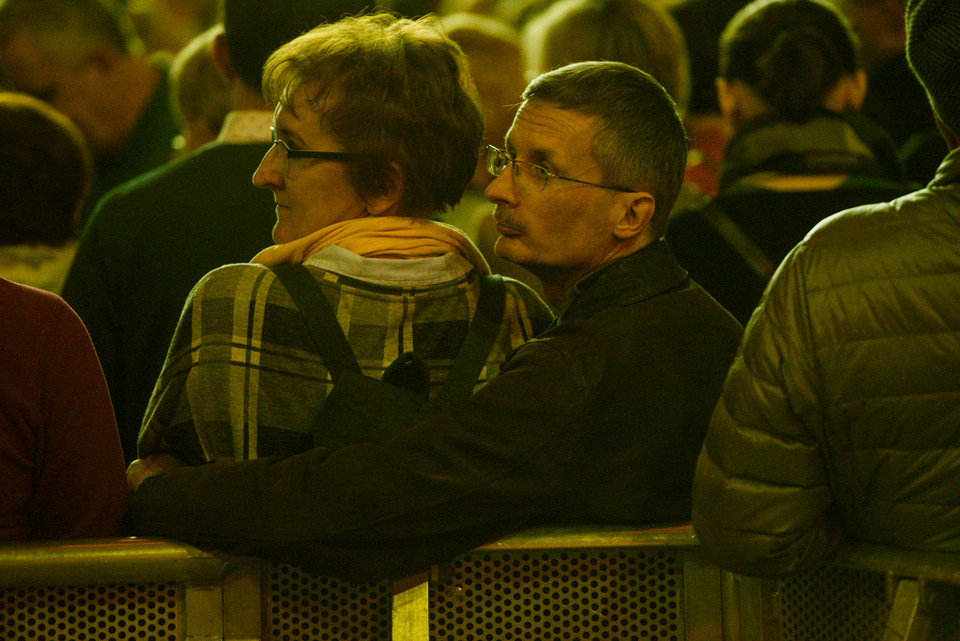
x=906 y=237
x=36 y=309
x=230 y=278
x=17 y=296
x=871 y=221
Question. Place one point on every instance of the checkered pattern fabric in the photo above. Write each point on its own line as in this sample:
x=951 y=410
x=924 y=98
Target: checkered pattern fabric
x=243 y=378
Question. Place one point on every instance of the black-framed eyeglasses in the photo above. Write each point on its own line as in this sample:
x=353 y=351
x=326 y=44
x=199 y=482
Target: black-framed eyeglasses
x=287 y=153
x=498 y=159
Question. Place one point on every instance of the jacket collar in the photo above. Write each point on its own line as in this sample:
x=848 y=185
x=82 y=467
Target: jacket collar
x=828 y=143
x=949 y=171
x=645 y=273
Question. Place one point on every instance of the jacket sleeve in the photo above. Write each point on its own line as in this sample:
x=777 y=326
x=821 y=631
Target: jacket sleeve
x=225 y=376
x=485 y=461
x=761 y=490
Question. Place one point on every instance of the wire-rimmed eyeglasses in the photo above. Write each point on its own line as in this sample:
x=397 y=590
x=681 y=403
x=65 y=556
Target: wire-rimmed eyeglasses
x=286 y=153
x=498 y=159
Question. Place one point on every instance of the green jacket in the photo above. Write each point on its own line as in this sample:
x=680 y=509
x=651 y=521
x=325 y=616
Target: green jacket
x=841 y=414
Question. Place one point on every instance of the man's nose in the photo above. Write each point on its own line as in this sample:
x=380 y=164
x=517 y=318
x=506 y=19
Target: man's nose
x=503 y=188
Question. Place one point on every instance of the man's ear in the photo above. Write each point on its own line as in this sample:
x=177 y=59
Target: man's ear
x=849 y=93
x=102 y=59
x=387 y=203
x=636 y=216
x=221 y=56
x=737 y=101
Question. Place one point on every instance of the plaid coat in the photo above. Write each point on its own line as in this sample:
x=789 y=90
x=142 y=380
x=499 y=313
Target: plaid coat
x=244 y=379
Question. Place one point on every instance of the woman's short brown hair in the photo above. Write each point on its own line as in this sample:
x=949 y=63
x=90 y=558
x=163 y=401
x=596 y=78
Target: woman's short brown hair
x=394 y=92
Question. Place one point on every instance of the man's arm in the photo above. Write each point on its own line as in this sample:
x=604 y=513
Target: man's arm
x=761 y=489
x=487 y=460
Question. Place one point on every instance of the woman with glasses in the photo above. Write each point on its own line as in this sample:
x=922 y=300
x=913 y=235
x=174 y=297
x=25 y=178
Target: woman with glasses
x=376 y=133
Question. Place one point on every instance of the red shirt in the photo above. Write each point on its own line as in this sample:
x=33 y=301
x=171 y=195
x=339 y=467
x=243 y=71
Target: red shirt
x=61 y=466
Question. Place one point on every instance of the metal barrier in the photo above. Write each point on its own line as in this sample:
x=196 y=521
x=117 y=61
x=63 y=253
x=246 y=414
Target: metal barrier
x=116 y=589
x=607 y=583
x=869 y=593
x=611 y=583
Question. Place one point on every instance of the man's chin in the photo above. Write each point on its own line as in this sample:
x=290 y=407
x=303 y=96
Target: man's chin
x=511 y=249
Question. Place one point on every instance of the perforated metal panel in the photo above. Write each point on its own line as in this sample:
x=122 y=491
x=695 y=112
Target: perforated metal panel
x=109 y=613
x=301 y=606
x=831 y=603
x=578 y=595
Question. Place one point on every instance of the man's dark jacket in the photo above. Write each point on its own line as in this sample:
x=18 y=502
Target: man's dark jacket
x=596 y=421
x=148 y=243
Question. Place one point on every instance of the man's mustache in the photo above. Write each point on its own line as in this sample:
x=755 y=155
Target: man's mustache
x=503 y=217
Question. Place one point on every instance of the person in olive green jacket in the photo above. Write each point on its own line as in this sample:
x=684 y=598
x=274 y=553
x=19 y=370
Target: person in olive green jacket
x=840 y=418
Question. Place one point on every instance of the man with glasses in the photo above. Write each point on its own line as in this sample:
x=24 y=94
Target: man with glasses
x=597 y=420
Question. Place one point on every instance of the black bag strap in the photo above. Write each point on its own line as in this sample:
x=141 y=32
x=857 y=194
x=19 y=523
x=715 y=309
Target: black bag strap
x=320 y=318
x=338 y=356
x=463 y=374
x=748 y=250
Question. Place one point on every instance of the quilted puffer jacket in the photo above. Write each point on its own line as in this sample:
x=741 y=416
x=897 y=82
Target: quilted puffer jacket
x=840 y=417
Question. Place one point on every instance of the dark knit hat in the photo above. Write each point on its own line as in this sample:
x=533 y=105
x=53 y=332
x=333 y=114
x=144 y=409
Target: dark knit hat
x=933 y=50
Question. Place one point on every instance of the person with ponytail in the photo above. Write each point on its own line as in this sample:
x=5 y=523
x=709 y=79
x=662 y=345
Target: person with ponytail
x=790 y=87
x=376 y=132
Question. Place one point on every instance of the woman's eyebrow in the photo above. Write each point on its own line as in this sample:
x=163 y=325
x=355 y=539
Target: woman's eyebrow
x=288 y=135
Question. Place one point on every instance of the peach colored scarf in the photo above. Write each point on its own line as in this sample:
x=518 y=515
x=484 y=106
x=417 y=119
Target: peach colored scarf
x=379 y=237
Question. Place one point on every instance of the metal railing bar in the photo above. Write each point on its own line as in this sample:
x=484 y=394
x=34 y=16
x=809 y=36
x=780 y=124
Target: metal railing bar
x=554 y=538
x=105 y=562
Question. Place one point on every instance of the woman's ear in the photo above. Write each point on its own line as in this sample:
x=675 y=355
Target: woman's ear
x=387 y=203
x=636 y=215
x=725 y=98
x=738 y=102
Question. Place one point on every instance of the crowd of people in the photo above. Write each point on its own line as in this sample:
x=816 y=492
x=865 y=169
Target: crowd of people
x=725 y=276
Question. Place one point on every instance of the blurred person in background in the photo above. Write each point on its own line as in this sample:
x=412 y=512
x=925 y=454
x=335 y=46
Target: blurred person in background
x=497 y=66
x=790 y=88
x=201 y=92
x=170 y=25
x=701 y=22
x=895 y=99
x=42 y=189
x=83 y=58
